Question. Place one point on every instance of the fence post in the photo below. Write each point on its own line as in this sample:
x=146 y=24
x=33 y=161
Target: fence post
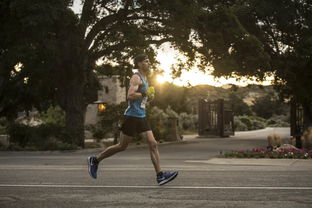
x=173 y=129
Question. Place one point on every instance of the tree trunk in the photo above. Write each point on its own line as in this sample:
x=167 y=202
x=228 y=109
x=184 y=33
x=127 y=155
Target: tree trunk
x=71 y=99
x=74 y=123
x=307 y=114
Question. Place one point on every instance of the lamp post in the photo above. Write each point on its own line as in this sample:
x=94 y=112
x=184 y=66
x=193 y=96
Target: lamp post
x=101 y=105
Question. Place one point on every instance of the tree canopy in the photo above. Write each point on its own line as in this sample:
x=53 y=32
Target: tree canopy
x=62 y=48
x=49 y=54
x=30 y=32
x=258 y=38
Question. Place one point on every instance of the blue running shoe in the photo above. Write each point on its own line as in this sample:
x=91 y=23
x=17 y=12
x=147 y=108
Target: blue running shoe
x=92 y=166
x=165 y=177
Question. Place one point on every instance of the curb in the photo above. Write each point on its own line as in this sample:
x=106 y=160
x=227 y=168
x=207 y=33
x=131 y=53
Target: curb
x=98 y=149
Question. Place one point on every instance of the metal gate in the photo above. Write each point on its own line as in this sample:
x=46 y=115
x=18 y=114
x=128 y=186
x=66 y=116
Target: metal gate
x=296 y=119
x=215 y=118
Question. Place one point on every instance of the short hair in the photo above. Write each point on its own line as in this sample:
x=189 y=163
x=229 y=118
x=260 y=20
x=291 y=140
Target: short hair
x=139 y=59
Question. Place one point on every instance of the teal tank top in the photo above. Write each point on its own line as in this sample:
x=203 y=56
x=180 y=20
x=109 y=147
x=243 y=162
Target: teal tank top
x=136 y=108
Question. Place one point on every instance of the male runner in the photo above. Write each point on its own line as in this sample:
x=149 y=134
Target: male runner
x=135 y=123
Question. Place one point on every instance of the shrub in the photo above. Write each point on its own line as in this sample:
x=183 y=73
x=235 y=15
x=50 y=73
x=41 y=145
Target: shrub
x=244 y=123
x=258 y=124
x=274 y=140
x=158 y=120
x=41 y=137
x=109 y=121
x=247 y=121
x=306 y=138
x=171 y=113
x=20 y=134
x=239 y=125
x=98 y=132
x=3 y=125
x=54 y=115
x=279 y=121
x=2 y=147
x=188 y=121
x=268 y=105
x=239 y=106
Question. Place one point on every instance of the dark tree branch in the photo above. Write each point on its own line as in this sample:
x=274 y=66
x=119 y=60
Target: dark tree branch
x=121 y=15
x=271 y=34
x=121 y=46
x=102 y=37
x=137 y=17
x=147 y=31
x=108 y=50
x=110 y=10
x=100 y=26
x=161 y=41
x=85 y=15
x=128 y=4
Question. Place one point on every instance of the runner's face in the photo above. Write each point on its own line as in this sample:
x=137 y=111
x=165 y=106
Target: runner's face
x=144 y=65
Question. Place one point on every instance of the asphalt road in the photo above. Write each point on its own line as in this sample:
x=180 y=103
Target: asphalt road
x=60 y=179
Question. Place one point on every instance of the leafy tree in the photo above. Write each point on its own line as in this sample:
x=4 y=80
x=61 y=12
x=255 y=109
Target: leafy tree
x=171 y=95
x=239 y=106
x=264 y=106
x=242 y=38
x=252 y=38
x=28 y=37
x=284 y=29
x=54 y=115
x=226 y=44
x=259 y=37
x=269 y=105
x=62 y=48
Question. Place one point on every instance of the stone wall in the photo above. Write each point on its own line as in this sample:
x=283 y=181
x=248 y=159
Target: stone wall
x=91 y=114
x=111 y=93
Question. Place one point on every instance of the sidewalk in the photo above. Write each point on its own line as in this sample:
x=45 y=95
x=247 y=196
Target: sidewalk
x=186 y=139
x=253 y=161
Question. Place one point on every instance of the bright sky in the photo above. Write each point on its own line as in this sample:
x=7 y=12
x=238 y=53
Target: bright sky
x=168 y=56
x=77 y=6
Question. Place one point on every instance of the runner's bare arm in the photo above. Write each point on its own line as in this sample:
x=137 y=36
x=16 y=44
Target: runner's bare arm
x=135 y=82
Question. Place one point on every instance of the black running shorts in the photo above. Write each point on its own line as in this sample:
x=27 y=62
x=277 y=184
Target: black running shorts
x=133 y=126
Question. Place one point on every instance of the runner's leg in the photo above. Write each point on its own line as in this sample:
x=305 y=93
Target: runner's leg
x=153 y=147
x=111 y=150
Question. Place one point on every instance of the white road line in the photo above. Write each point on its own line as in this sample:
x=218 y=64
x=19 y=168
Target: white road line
x=156 y=187
x=72 y=168
x=134 y=168
x=107 y=168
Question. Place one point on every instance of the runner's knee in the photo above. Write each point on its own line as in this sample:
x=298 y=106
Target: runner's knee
x=153 y=145
x=122 y=147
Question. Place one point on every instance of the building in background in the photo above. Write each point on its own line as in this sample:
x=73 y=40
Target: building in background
x=111 y=92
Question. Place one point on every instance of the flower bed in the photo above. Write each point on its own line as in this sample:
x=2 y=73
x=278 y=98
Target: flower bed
x=277 y=153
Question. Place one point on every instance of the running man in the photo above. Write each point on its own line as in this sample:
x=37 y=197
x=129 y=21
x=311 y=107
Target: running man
x=135 y=123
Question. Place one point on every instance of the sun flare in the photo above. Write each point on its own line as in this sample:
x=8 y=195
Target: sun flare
x=167 y=57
